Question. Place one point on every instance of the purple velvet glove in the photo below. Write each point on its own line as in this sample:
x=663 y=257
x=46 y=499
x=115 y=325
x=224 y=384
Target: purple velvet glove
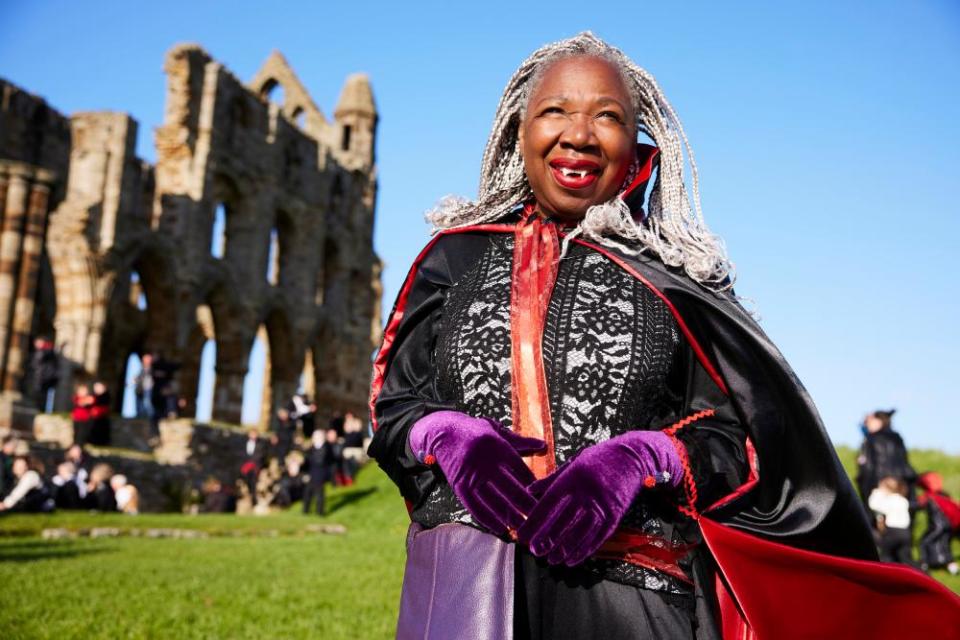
x=482 y=462
x=582 y=503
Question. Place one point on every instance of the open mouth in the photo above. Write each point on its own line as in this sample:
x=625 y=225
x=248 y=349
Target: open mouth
x=574 y=174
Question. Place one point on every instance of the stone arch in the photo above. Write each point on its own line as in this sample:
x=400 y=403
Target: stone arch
x=45 y=310
x=274 y=367
x=283 y=363
x=232 y=338
x=299 y=117
x=273 y=90
x=331 y=285
x=226 y=202
x=281 y=241
x=198 y=370
x=140 y=316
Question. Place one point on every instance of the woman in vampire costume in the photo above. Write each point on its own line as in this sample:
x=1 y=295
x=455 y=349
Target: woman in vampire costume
x=593 y=438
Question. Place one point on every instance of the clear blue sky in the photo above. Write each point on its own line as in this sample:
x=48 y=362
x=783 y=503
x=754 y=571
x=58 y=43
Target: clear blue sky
x=826 y=135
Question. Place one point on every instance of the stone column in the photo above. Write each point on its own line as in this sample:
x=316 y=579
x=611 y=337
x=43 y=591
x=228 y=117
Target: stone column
x=228 y=395
x=32 y=247
x=11 y=239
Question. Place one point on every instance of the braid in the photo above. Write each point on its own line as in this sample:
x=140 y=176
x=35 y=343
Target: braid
x=674 y=229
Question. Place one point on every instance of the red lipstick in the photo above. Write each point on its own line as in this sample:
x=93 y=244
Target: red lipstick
x=574 y=173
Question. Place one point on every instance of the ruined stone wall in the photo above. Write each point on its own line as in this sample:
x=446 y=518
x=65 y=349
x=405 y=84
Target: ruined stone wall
x=34 y=162
x=120 y=253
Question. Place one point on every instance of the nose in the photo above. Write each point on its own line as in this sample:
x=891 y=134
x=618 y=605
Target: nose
x=579 y=133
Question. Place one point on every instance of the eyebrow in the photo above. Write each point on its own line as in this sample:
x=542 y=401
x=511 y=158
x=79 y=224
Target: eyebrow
x=600 y=100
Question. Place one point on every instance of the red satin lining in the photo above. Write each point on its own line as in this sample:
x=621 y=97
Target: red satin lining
x=645 y=154
x=644 y=550
x=536 y=256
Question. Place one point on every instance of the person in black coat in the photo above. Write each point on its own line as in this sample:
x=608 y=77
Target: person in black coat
x=100 y=415
x=882 y=455
x=322 y=460
x=7 y=479
x=66 y=493
x=100 y=496
x=44 y=371
x=283 y=436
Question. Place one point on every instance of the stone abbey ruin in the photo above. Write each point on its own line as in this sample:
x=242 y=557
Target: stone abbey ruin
x=256 y=219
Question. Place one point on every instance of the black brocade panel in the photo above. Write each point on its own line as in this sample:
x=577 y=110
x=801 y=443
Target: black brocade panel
x=609 y=347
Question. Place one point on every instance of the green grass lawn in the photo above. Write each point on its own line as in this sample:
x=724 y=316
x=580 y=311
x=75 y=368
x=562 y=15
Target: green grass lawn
x=254 y=577
x=240 y=583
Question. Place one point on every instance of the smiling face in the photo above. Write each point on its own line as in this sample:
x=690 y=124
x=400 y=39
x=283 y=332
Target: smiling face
x=578 y=136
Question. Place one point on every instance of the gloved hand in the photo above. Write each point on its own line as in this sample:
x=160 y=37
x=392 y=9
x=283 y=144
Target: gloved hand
x=581 y=504
x=482 y=462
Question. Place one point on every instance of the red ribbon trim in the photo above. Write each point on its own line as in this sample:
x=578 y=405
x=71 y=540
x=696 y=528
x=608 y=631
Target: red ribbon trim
x=536 y=257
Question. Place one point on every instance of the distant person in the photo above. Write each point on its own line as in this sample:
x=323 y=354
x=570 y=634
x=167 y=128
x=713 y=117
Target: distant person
x=127 y=496
x=44 y=370
x=100 y=496
x=30 y=494
x=882 y=454
x=943 y=524
x=352 y=446
x=166 y=391
x=66 y=493
x=290 y=486
x=285 y=431
x=336 y=422
x=323 y=459
x=216 y=498
x=892 y=510
x=8 y=450
x=82 y=412
x=254 y=456
x=143 y=386
x=304 y=411
x=100 y=415
x=81 y=463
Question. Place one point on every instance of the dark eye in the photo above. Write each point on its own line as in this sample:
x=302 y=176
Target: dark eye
x=611 y=115
x=550 y=110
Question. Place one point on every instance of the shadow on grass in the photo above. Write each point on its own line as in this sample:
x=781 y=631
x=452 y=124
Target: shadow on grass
x=341 y=500
x=29 y=551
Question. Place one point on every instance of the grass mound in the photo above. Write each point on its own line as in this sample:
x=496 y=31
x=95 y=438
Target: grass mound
x=237 y=583
x=273 y=576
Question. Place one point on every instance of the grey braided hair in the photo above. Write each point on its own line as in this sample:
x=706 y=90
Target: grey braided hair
x=674 y=229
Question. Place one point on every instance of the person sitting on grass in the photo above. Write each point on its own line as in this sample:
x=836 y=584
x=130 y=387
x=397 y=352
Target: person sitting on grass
x=217 y=498
x=7 y=455
x=290 y=486
x=99 y=493
x=81 y=463
x=66 y=493
x=127 y=495
x=30 y=494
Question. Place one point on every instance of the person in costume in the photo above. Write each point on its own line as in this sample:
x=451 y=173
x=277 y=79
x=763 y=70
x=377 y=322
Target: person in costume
x=567 y=389
x=943 y=524
x=882 y=454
